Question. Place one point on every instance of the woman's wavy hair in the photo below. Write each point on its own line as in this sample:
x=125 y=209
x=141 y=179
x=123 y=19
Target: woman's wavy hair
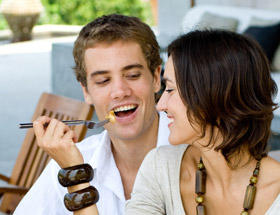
x=109 y=29
x=224 y=80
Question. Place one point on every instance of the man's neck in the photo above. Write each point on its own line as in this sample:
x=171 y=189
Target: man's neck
x=129 y=155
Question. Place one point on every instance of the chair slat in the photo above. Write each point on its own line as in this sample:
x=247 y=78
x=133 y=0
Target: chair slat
x=31 y=159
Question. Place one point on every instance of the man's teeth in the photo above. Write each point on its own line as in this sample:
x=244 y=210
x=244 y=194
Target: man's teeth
x=171 y=120
x=124 y=108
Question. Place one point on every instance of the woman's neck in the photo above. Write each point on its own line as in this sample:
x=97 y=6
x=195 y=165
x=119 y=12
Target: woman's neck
x=220 y=172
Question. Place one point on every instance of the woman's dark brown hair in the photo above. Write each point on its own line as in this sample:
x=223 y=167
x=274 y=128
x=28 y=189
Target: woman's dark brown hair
x=224 y=79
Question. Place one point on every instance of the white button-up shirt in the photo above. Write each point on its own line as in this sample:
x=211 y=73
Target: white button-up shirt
x=46 y=195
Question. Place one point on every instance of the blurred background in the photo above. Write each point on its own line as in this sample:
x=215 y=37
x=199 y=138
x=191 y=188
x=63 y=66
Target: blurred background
x=36 y=41
x=79 y=12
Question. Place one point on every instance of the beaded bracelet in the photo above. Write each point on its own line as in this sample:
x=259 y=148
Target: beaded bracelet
x=81 y=198
x=75 y=175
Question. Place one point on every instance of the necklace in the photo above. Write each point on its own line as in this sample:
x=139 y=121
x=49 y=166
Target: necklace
x=200 y=189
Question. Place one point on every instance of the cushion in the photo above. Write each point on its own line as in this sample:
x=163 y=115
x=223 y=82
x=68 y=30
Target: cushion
x=276 y=60
x=212 y=21
x=267 y=36
x=256 y=21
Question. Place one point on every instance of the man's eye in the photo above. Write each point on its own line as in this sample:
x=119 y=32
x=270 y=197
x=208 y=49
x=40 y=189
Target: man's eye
x=101 y=82
x=133 y=76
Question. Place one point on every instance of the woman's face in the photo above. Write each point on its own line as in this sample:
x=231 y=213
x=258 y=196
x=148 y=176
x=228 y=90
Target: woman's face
x=181 y=131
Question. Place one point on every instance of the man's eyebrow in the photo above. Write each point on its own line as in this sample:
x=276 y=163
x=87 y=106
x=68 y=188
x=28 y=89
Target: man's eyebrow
x=128 y=67
x=132 y=66
x=98 y=72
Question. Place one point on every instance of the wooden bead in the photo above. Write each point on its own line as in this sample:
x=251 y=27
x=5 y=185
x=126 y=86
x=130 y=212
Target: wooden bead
x=200 y=166
x=249 y=197
x=253 y=180
x=199 y=199
x=258 y=164
x=256 y=172
x=200 y=182
x=200 y=210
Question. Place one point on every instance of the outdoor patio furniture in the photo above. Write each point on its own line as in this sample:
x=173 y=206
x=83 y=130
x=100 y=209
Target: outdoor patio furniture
x=31 y=159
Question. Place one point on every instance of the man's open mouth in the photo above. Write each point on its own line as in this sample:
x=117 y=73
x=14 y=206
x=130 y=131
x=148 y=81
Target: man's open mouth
x=124 y=111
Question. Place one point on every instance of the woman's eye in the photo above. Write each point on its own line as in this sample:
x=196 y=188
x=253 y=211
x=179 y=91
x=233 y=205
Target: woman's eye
x=169 y=90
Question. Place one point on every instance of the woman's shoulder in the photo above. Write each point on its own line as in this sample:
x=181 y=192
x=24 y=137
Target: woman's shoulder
x=169 y=151
x=272 y=169
x=269 y=179
x=275 y=207
x=164 y=156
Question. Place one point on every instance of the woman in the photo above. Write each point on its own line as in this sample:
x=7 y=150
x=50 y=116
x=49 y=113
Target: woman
x=219 y=88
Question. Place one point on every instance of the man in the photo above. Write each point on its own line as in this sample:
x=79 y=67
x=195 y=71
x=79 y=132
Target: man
x=118 y=65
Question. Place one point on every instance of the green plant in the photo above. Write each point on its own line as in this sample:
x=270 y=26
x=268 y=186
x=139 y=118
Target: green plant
x=3 y=23
x=80 y=12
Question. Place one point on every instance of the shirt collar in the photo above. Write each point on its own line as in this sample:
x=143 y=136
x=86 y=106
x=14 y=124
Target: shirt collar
x=102 y=152
x=103 y=163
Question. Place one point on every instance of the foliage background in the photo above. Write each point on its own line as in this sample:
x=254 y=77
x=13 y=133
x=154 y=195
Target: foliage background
x=80 y=12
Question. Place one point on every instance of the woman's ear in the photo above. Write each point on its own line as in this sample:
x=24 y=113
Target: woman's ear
x=157 y=79
x=87 y=96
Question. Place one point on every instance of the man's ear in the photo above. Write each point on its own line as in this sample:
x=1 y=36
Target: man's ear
x=157 y=79
x=86 y=94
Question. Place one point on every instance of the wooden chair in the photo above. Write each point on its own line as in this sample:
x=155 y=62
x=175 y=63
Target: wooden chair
x=192 y=3
x=31 y=159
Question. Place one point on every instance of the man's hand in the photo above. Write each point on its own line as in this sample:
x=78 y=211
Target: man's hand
x=58 y=140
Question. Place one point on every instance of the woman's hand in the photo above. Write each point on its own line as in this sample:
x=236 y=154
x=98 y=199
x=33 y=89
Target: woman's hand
x=58 y=140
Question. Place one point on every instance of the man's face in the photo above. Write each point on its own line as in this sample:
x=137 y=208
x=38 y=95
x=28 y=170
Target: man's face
x=118 y=79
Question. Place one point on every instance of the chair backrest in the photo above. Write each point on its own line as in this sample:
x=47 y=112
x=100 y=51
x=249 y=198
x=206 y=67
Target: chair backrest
x=192 y=3
x=31 y=159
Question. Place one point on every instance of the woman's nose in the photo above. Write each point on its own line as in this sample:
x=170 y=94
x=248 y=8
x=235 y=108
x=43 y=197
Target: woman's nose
x=161 y=105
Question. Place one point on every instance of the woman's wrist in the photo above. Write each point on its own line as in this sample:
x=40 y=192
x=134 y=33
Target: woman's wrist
x=77 y=187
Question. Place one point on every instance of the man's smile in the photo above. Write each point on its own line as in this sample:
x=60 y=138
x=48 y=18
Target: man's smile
x=123 y=111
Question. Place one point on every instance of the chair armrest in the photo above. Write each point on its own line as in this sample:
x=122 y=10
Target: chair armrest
x=13 y=189
x=4 y=178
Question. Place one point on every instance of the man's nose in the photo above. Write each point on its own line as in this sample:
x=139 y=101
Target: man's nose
x=120 y=89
